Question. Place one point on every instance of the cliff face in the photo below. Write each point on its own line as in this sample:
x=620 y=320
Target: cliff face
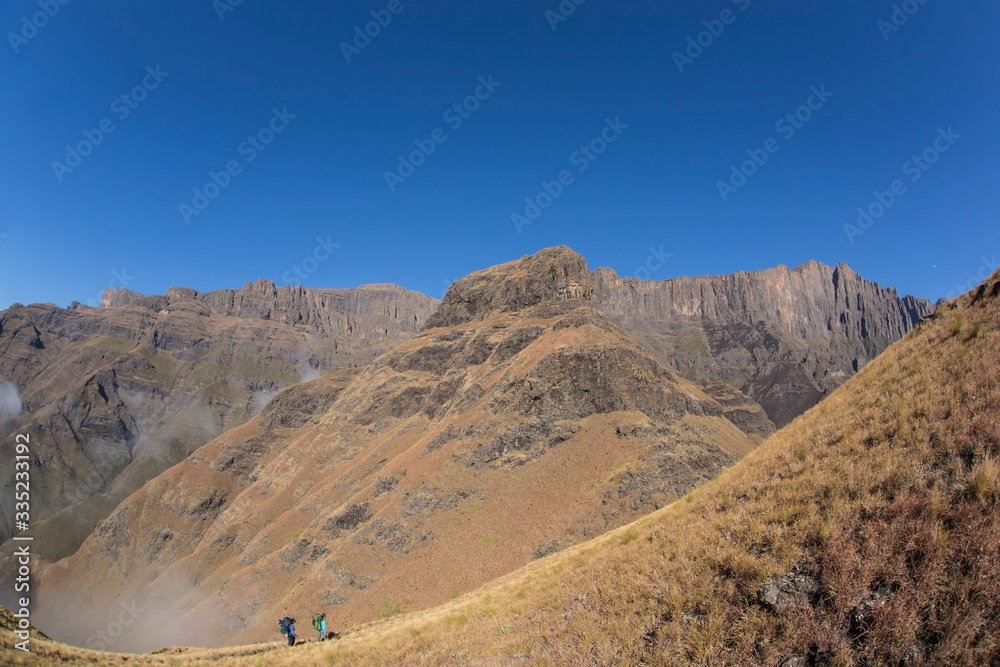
x=519 y=421
x=117 y=394
x=376 y=311
x=785 y=337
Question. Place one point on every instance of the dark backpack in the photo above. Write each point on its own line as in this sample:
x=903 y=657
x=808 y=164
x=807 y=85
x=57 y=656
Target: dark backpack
x=283 y=626
x=317 y=622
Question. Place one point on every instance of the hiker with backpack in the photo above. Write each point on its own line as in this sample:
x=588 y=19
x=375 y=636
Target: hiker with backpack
x=287 y=627
x=319 y=624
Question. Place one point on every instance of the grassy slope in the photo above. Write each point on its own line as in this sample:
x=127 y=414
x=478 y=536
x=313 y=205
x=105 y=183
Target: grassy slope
x=890 y=482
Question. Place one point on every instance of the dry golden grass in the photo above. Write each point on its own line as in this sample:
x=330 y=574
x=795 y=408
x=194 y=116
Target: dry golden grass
x=890 y=483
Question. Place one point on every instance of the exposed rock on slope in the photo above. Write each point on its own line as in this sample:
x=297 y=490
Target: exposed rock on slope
x=115 y=395
x=519 y=421
x=784 y=337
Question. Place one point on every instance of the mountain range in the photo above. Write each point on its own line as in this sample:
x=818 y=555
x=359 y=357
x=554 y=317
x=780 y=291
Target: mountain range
x=863 y=533
x=539 y=404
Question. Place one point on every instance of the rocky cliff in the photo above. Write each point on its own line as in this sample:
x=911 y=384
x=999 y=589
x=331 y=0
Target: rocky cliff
x=115 y=395
x=376 y=311
x=785 y=337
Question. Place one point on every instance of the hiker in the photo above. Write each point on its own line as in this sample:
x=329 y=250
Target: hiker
x=287 y=627
x=319 y=624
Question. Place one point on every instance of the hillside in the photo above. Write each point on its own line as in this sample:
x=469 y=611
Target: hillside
x=485 y=441
x=865 y=532
x=116 y=395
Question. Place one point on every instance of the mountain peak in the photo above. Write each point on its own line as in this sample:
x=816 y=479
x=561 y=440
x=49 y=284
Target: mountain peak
x=552 y=277
x=811 y=265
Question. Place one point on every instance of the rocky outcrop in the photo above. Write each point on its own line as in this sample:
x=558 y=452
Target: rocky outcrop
x=117 y=394
x=784 y=337
x=556 y=277
x=798 y=589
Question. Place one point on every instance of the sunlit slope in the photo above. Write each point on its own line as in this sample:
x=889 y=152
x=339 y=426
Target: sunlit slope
x=865 y=532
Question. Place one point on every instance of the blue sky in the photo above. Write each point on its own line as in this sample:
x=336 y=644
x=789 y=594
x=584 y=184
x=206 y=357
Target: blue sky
x=319 y=191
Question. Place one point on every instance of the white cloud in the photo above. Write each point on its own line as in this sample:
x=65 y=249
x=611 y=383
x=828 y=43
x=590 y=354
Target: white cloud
x=10 y=402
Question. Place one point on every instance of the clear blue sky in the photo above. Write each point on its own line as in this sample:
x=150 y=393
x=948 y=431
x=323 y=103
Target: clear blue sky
x=323 y=175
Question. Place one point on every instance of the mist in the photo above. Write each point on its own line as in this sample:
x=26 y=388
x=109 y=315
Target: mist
x=10 y=402
x=260 y=401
